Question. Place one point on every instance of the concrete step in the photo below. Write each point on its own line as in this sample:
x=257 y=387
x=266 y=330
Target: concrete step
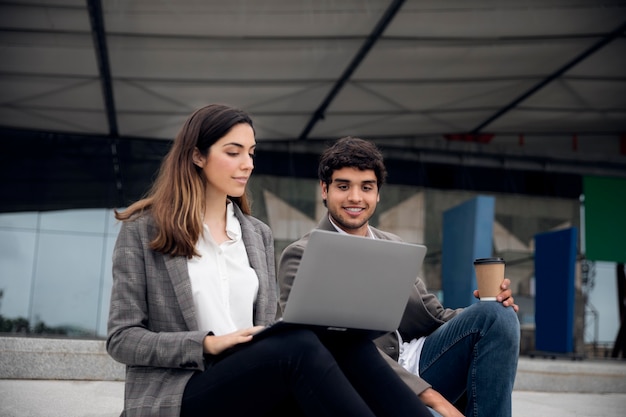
x=48 y=358
x=70 y=359
x=574 y=376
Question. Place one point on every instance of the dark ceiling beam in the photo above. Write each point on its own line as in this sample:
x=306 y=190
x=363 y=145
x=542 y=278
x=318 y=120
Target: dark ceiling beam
x=102 y=56
x=153 y=150
x=354 y=64
x=609 y=37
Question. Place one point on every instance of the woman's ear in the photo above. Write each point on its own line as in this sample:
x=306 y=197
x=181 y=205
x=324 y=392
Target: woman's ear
x=198 y=159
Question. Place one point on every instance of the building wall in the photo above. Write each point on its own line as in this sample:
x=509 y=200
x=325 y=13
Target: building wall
x=55 y=267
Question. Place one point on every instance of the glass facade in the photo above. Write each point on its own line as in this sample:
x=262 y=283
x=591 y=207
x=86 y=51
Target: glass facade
x=56 y=271
x=55 y=267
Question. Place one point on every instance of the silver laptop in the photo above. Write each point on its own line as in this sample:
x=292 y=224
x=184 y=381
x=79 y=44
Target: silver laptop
x=348 y=283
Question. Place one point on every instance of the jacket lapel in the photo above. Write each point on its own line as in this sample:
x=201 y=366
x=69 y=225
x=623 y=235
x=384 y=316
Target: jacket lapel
x=254 y=244
x=179 y=275
x=325 y=224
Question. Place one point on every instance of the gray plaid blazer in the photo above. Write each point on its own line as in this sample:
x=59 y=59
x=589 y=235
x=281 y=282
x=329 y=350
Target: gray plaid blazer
x=152 y=326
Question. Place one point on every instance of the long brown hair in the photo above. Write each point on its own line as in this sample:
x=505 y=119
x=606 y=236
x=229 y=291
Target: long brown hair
x=177 y=196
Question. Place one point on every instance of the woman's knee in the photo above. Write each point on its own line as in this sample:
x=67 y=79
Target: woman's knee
x=302 y=343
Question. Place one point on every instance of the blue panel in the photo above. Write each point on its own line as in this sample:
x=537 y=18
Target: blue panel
x=555 y=263
x=467 y=235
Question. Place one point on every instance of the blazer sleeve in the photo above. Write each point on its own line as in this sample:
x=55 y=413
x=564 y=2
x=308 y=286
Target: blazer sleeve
x=287 y=267
x=146 y=326
x=424 y=313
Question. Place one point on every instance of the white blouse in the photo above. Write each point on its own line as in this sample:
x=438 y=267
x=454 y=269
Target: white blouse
x=224 y=285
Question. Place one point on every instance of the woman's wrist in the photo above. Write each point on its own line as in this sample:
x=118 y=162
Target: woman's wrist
x=206 y=343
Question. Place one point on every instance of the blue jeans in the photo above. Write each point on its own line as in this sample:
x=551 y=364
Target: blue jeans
x=475 y=352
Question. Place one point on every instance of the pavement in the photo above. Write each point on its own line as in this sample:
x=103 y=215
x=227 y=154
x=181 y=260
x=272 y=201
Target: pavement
x=62 y=378
x=43 y=398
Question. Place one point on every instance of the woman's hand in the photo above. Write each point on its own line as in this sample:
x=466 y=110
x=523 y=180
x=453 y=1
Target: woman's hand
x=215 y=345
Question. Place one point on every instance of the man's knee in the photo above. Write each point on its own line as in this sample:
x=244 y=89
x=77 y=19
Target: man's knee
x=503 y=320
x=507 y=325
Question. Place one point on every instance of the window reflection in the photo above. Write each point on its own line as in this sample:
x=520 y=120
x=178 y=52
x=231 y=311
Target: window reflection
x=56 y=272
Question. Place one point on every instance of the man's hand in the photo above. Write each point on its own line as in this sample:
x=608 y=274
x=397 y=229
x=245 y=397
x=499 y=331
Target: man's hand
x=215 y=345
x=437 y=402
x=506 y=295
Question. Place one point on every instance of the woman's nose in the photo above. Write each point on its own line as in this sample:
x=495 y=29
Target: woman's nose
x=248 y=162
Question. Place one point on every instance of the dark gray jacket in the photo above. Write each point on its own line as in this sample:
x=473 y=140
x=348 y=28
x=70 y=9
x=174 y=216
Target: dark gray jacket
x=423 y=314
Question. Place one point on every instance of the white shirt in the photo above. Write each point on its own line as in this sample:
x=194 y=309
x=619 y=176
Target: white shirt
x=410 y=351
x=224 y=285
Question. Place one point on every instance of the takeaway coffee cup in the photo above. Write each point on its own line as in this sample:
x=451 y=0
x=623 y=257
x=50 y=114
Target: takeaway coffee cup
x=489 y=277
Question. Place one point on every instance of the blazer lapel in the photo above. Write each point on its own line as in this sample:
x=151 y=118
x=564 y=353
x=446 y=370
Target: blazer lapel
x=179 y=275
x=251 y=240
x=325 y=224
x=255 y=247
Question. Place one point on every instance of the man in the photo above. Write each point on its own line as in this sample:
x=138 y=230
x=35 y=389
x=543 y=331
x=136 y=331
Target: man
x=440 y=353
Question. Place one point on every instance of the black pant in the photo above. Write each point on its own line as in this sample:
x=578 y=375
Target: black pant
x=314 y=376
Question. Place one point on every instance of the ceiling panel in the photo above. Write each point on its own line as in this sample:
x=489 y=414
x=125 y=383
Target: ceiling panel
x=407 y=74
x=245 y=18
x=506 y=19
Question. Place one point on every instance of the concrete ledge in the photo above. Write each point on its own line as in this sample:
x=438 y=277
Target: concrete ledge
x=71 y=359
x=554 y=375
x=43 y=358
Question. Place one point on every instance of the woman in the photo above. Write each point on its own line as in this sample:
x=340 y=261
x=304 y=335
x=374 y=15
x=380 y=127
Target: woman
x=194 y=278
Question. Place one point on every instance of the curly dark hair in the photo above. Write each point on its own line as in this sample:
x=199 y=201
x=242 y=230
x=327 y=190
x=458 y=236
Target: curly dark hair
x=354 y=153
